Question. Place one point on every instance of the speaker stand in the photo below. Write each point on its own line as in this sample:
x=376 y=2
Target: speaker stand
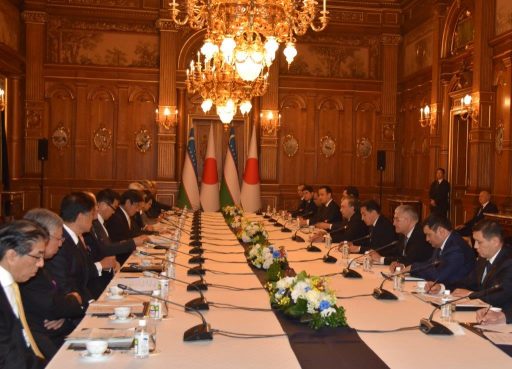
x=41 y=186
x=380 y=185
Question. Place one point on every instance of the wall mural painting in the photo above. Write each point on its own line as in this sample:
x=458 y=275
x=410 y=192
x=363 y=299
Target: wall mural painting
x=9 y=21
x=335 y=58
x=503 y=16
x=418 y=50
x=82 y=44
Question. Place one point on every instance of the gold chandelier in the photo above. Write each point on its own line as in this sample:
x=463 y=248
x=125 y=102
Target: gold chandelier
x=242 y=38
x=218 y=83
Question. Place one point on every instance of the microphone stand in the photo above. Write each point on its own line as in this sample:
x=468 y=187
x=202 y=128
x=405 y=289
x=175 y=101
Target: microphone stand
x=350 y=273
x=200 y=332
x=284 y=229
x=429 y=326
x=199 y=303
x=382 y=294
x=297 y=238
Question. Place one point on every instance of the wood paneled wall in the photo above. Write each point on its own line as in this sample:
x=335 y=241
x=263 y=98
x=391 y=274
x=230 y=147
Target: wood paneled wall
x=95 y=73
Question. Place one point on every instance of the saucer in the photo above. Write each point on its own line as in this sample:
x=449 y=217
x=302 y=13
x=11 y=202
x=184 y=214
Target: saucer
x=115 y=297
x=114 y=319
x=87 y=356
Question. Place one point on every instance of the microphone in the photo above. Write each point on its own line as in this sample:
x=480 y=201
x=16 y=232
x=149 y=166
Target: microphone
x=198 y=270
x=201 y=332
x=350 y=273
x=298 y=238
x=193 y=260
x=284 y=229
x=199 y=303
x=429 y=326
x=382 y=294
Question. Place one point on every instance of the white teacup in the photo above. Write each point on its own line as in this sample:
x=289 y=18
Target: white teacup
x=495 y=309
x=122 y=312
x=115 y=291
x=96 y=347
x=420 y=285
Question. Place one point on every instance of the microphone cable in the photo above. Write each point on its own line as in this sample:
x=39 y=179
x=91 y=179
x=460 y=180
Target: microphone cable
x=246 y=335
x=353 y=296
x=401 y=329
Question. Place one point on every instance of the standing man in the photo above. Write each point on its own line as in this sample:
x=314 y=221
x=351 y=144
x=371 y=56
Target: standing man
x=440 y=194
x=22 y=245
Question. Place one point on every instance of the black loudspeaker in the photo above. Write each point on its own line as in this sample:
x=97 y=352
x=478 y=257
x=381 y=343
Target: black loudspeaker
x=42 y=149
x=381 y=160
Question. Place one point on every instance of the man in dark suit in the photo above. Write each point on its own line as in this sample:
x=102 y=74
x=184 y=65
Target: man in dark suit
x=380 y=231
x=352 y=226
x=412 y=244
x=494 y=266
x=440 y=194
x=456 y=259
x=327 y=214
x=73 y=267
x=307 y=207
x=22 y=245
x=50 y=314
x=486 y=206
x=301 y=204
x=120 y=226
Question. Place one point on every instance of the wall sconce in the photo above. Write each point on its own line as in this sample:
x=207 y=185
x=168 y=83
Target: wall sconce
x=270 y=122
x=425 y=116
x=466 y=104
x=168 y=118
x=2 y=99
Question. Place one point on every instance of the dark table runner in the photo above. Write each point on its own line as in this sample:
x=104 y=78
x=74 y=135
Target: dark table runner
x=326 y=348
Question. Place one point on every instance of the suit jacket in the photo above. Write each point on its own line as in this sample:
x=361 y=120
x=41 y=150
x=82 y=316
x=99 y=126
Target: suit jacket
x=383 y=233
x=457 y=261
x=467 y=228
x=349 y=230
x=42 y=300
x=306 y=209
x=101 y=245
x=500 y=272
x=156 y=209
x=14 y=353
x=417 y=249
x=72 y=268
x=440 y=193
x=119 y=230
x=329 y=214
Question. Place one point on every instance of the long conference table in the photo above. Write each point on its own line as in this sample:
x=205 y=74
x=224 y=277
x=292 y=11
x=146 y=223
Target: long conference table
x=400 y=350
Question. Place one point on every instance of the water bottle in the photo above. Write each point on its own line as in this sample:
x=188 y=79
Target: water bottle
x=328 y=240
x=398 y=279
x=164 y=287
x=170 y=269
x=367 y=262
x=155 y=306
x=446 y=310
x=141 y=341
x=345 y=250
x=268 y=210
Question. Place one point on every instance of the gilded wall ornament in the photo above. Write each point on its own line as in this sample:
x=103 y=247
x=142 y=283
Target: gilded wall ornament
x=499 y=138
x=327 y=146
x=290 y=145
x=102 y=139
x=363 y=148
x=143 y=140
x=61 y=137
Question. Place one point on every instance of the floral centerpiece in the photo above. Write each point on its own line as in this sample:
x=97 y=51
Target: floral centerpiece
x=307 y=298
x=269 y=258
x=253 y=233
x=233 y=216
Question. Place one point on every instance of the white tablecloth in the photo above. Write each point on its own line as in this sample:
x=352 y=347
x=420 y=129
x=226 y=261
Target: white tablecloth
x=401 y=350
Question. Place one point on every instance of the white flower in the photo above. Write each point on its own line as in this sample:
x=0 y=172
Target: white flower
x=285 y=283
x=327 y=312
x=299 y=290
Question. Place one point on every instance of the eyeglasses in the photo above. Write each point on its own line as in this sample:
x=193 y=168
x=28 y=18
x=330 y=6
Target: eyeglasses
x=112 y=207
x=37 y=257
x=60 y=239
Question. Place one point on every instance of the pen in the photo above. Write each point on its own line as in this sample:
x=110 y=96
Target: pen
x=483 y=317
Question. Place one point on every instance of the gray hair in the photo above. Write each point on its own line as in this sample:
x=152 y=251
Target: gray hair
x=44 y=218
x=409 y=211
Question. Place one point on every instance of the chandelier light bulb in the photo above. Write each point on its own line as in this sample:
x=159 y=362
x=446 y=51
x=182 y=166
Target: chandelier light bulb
x=271 y=46
x=290 y=52
x=426 y=111
x=227 y=48
x=209 y=49
x=245 y=107
x=206 y=105
x=466 y=100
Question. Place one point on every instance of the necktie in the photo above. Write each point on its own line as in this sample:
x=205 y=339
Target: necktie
x=406 y=239
x=24 y=323
x=487 y=269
